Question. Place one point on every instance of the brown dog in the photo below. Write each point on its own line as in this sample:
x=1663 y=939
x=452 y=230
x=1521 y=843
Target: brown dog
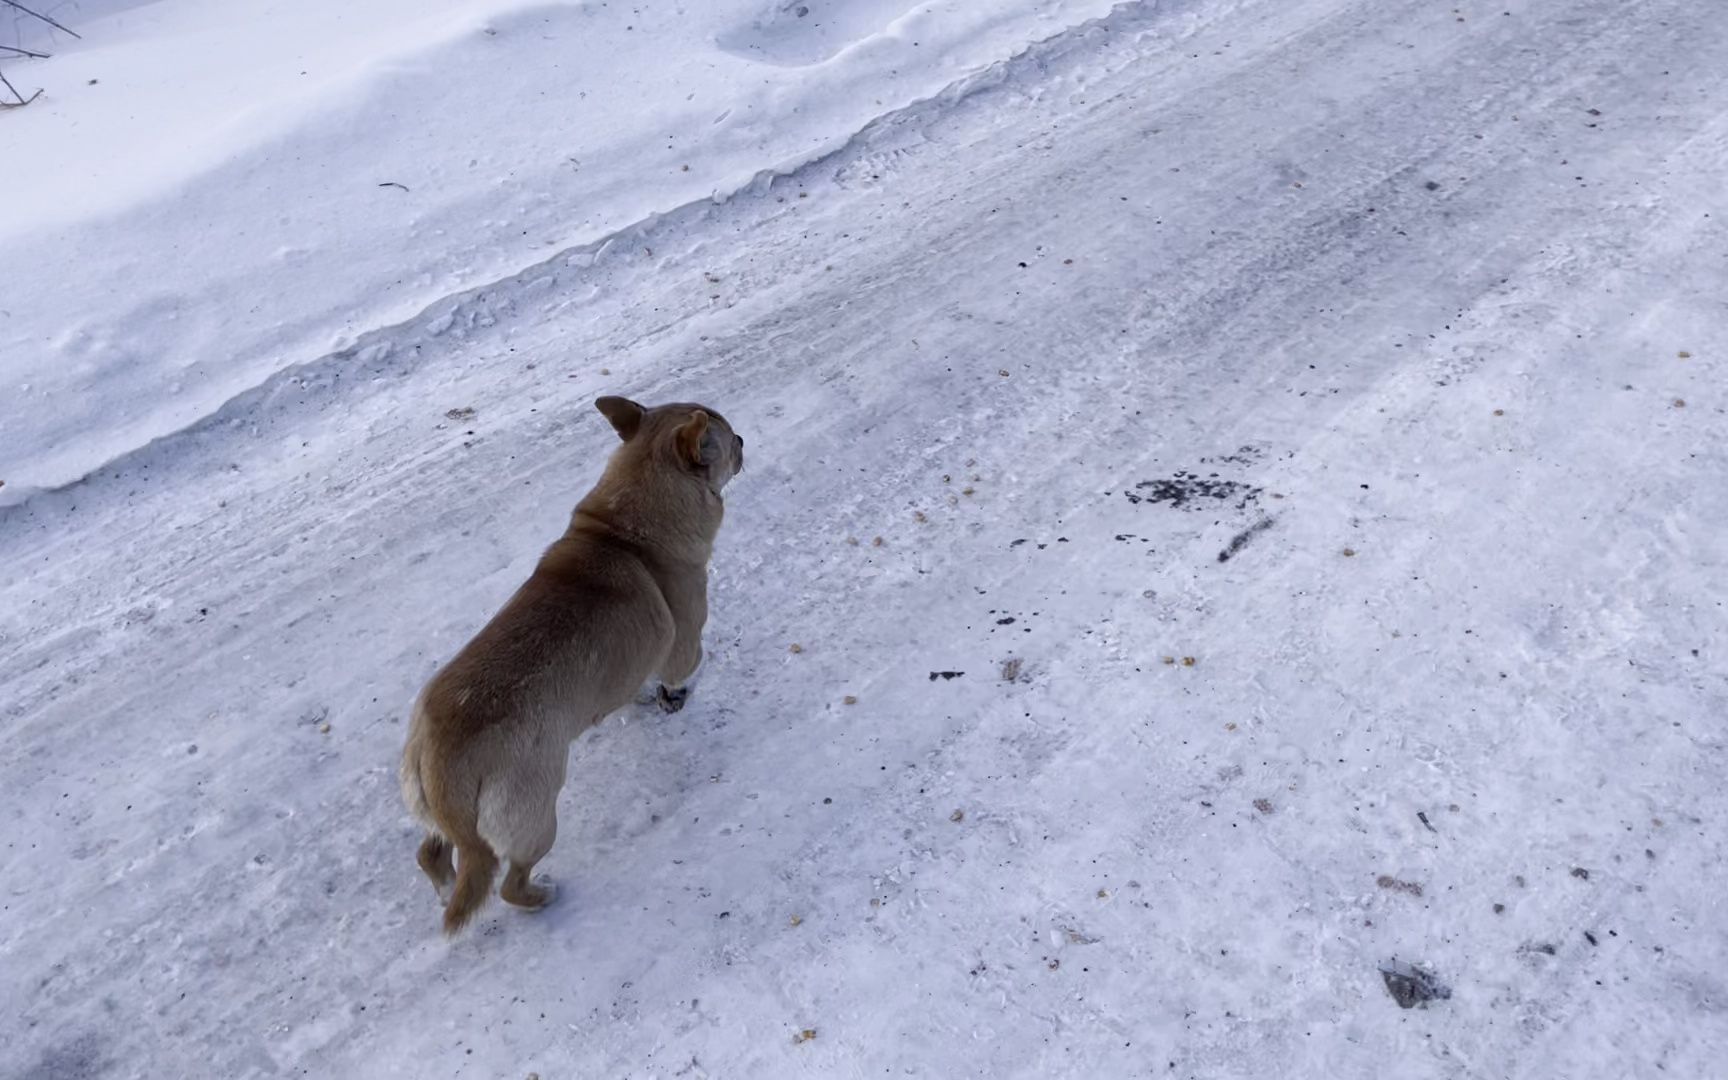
x=621 y=596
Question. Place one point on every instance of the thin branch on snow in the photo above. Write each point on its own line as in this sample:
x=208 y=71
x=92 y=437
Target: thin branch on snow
x=22 y=100
x=44 y=18
x=15 y=50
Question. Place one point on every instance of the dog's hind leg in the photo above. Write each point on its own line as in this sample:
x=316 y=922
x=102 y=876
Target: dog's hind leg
x=519 y=818
x=519 y=888
x=436 y=859
x=522 y=892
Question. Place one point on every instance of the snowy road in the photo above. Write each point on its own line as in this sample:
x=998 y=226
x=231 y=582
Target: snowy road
x=1425 y=305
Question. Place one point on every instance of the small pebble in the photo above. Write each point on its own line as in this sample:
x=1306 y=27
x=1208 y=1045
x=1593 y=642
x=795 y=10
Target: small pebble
x=795 y=920
x=958 y=815
x=1349 y=553
x=794 y=648
x=848 y=700
x=324 y=728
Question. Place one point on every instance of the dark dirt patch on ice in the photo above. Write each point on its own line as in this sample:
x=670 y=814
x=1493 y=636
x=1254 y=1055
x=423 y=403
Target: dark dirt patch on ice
x=1191 y=491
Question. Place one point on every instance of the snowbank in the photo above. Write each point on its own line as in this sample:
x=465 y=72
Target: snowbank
x=208 y=193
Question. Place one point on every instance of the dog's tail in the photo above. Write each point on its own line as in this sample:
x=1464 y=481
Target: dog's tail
x=476 y=865
x=408 y=775
x=413 y=791
x=476 y=862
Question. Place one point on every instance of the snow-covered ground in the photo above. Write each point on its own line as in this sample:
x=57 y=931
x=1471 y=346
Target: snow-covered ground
x=1367 y=353
x=209 y=193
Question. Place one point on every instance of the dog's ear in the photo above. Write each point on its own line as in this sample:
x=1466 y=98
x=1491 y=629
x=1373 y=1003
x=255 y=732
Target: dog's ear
x=626 y=415
x=696 y=441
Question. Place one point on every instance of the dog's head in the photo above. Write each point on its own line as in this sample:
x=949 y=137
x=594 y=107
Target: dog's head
x=691 y=437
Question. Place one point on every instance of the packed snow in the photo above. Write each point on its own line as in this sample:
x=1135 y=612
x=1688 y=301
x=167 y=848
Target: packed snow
x=1229 y=578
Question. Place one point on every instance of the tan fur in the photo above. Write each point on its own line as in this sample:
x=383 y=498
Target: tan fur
x=620 y=597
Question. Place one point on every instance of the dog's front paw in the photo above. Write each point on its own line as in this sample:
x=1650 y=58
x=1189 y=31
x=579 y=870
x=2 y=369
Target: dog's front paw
x=672 y=700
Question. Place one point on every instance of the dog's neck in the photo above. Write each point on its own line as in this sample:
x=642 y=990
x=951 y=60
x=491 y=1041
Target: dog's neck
x=673 y=517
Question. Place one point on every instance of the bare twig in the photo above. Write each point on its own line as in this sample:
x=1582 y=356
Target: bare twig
x=44 y=18
x=17 y=50
x=22 y=100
